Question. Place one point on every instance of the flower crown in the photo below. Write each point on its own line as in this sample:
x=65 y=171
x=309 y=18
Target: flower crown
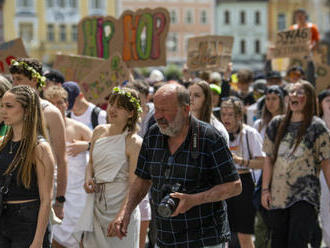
x=34 y=73
x=132 y=99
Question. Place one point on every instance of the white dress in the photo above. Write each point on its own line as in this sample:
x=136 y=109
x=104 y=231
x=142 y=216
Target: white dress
x=75 y=201
x=111 y=173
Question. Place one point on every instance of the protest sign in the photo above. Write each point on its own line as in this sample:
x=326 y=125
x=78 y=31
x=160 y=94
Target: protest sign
x=292 y=44
x=98 y=85
x=139 y=36
x=209 y=52
x=11 y=50
x=322 y=72
x=75 y=67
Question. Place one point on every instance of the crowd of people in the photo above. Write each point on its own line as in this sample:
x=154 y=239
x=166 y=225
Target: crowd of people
x=200 y=161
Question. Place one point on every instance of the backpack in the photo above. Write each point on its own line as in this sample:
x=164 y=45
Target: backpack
x=94 y=116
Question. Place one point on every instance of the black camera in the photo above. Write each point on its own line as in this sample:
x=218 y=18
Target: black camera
x=168 y=204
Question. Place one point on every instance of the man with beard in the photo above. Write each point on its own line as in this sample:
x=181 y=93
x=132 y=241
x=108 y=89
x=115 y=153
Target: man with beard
x=191 y=172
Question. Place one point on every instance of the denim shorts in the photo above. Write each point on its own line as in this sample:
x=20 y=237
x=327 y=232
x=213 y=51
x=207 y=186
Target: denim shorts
x=18 y=224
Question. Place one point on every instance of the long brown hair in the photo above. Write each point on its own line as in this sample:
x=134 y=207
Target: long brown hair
x=266 y=115
x=33 y=126
x=309 y=111
x=206 y=110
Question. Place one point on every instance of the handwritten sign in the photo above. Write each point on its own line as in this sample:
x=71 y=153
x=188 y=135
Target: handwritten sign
x=11 y=50
x=292 y=43
x=209 y=52
x=75 y=67
x=98 y=85
x=139 y=36
x=322 y=71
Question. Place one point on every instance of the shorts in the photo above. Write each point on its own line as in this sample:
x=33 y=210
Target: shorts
x=241 y=210
x=18 y=225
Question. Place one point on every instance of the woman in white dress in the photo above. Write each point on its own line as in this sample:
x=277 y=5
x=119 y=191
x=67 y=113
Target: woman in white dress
x=79 y=134
x=113 y=157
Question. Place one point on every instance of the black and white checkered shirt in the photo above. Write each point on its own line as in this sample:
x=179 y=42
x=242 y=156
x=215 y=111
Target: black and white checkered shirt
x=203 y=225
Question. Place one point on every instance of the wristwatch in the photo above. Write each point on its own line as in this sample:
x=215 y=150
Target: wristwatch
x=60 y=199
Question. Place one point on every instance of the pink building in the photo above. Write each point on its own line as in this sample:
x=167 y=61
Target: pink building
x=188 y=18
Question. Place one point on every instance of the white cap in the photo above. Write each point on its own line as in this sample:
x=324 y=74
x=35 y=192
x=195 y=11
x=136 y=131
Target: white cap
x=215 y=76
x=156 y=76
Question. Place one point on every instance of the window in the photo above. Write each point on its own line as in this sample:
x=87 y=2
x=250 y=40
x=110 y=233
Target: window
x=26 y=31
x=257 y=47
x=24 y=3
x=203 y=17
x=50 y=32
x=242 y=17
x=96 y=4
x=73 y=4
x=50 y=3
x=61 y=3
x=62 y=32
x=257 y=18
x=74 y=33
x=243 y=47
x=189 y=17
x=173 y=15
x=227 y=17
x=281 y=22
x=172 y=42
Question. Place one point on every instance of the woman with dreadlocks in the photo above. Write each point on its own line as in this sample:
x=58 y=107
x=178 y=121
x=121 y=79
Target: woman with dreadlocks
x=26 y=171
x=297 y=147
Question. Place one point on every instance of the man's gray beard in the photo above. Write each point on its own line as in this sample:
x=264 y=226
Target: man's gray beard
x=169 y=131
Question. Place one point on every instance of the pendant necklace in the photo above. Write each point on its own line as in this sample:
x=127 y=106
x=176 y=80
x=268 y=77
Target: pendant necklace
x=11 y=147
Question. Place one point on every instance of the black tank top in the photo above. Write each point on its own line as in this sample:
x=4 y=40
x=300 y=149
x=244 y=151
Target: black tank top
x=17 y=191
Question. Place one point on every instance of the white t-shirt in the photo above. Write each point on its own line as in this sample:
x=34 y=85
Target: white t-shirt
x=262 y=132
x=240 y=148
x=86 y=117
x=220 y=127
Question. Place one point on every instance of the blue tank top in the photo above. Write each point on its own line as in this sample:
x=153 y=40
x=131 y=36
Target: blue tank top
x=17 y=191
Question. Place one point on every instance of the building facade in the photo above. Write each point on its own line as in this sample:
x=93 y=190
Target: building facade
x=49 y=26
x=1 y=20
x=188 y=18
x=247 y=21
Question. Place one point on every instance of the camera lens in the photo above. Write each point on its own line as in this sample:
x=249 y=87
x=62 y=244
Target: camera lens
x=167 y=206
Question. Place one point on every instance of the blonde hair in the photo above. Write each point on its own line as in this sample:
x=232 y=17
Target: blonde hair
x=56 y=91
x=33 y=126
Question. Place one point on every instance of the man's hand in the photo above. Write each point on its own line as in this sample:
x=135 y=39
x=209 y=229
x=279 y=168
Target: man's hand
x=187 y=201
x=118 y=227
x=76 y=147
x=266 y=199
x=58 y=209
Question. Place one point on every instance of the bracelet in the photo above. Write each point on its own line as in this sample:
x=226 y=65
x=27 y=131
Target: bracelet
x=265 y=189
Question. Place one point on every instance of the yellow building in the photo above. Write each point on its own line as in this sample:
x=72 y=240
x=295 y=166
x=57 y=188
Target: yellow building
x=280 y=14
x=50 y=26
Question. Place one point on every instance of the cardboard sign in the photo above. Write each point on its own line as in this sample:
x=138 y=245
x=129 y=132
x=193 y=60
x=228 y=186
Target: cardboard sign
x=322 y=72
x=292 y=44
x=139 y=36
x=209 y=52
x=74 y=67
x=11 y=50
x=97 y=85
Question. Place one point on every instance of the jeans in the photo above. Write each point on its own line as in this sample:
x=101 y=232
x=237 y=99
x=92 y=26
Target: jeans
x=18 y=224
x=222 y=245
x=292 y=227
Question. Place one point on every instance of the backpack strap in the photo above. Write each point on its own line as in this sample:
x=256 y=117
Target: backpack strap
x=95 y=116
